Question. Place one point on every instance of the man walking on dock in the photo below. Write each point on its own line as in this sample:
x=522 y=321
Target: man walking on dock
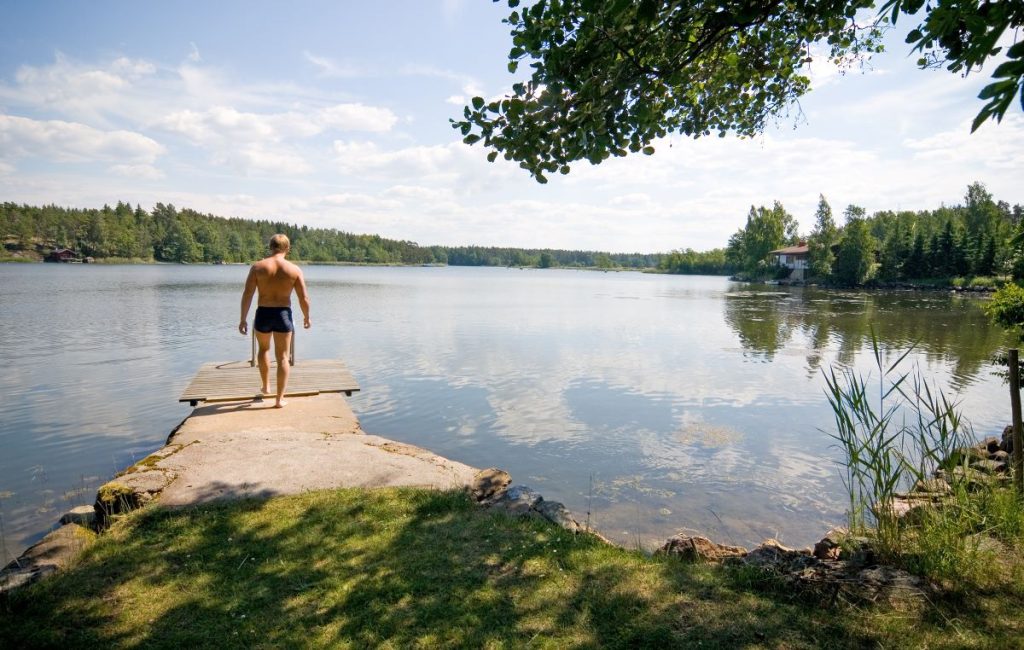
x=275 y=278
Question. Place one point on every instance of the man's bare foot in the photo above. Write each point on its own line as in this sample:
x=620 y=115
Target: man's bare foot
x=281 y=404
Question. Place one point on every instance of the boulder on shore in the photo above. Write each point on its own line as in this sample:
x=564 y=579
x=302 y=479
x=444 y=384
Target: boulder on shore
x=696 y=548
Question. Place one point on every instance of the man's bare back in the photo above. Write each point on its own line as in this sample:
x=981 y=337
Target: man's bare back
x=274 y=278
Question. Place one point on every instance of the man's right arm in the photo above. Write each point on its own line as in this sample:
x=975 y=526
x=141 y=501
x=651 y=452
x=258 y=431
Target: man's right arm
x=303 y=296
x=247 y=294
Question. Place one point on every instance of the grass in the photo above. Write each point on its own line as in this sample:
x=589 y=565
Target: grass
x=979 y=281
x=402 y=568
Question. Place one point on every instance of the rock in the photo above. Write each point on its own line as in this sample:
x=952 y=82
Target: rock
x=830 y=546
x=489 y=484
x=1000 y=456
x=989 y=466
x=700 y=549
x=773 y=555
x=81 y=515
x=857 y=552
x=558 y=514
x=54 y=552
x=932 y=486
x=969 y=477
x=518 y=500
x=1007 y=442
x=908 y=507
x=989 y=445
x=129 y=492
x=879 y=581
x=963 y=456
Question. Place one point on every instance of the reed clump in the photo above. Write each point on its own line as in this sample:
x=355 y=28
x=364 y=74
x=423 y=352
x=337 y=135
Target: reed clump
x=900 y=443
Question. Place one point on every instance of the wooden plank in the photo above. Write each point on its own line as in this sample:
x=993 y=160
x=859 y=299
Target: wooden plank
x=233 y=380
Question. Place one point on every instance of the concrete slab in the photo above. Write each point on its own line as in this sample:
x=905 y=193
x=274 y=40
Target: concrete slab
x=244 y=449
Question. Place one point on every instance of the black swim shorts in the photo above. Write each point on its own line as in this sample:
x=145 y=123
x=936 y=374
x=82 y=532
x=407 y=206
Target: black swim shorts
x=273 y=319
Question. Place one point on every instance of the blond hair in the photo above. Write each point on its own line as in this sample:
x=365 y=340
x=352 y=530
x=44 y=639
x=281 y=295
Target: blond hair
x=279 y=243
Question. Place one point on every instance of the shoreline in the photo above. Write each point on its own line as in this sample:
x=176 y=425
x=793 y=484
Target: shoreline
x=230 y=451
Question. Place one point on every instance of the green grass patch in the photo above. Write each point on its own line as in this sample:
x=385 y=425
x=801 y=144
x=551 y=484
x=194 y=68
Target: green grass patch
x=406 y=568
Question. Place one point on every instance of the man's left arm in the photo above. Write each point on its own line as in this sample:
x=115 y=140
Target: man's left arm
x=247 y=294
x=303 y=295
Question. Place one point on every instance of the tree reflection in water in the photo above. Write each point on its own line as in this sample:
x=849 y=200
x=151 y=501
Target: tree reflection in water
x=945 y=327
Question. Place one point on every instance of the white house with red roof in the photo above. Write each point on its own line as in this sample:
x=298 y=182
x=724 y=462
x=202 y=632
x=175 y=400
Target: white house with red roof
x=793 y=258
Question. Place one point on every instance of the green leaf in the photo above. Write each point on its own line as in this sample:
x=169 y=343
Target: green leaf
x=471 y=139
x=648 y=150
x=491 y=157
x=540 y=178
x=980 y=119
x=1009 y=69
x=513 y=66
x=478 y=103
x=997 y=88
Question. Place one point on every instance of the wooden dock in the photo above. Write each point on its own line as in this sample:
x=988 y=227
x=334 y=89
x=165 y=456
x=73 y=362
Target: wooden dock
x=237 y=380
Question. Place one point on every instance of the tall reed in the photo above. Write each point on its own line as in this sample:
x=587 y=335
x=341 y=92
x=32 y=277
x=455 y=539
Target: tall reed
x=889 y=441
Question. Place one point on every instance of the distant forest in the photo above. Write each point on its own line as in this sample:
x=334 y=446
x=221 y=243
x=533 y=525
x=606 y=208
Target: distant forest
x=167 y=234
x=980 y=237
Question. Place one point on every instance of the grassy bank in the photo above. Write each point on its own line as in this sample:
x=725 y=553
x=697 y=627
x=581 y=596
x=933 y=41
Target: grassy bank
x=410 y=568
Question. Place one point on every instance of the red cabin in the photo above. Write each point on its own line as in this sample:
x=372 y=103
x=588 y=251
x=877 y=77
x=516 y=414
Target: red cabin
x=63 y=255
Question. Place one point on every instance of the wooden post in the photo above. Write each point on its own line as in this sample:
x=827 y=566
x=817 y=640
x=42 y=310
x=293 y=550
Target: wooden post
x=1018 y=443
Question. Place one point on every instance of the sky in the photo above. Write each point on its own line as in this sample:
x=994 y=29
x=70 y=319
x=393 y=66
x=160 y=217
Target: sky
x=336 y=115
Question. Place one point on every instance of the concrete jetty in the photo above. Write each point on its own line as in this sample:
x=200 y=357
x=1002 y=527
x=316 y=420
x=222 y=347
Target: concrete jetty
x=248 y=449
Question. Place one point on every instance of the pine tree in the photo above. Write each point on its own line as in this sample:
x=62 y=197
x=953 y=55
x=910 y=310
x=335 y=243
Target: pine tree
x=823 y=238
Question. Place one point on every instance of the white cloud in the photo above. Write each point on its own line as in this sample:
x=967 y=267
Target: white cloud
x=359 y=201
x=147 y=172
x=193 y=53
x=72 y=142
x=400 y=163
x=227 y=124
x=994 y=145
x=79 y=91
x=328 y=67
x=133 y=68
x=356 y=117
x=257 y=158
x=6 y=168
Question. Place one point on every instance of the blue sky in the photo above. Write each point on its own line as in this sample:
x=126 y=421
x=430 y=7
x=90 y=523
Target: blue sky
x=335 y=114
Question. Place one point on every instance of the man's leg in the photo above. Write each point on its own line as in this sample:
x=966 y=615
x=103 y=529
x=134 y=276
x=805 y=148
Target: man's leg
x=263 y=340
x=282 y=343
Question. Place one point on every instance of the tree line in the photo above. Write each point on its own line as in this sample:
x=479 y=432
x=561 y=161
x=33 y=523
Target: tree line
x=167 y=234
x=981 y=237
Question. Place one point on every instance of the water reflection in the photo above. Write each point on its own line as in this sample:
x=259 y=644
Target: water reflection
x=947 y=328
x=655 y=403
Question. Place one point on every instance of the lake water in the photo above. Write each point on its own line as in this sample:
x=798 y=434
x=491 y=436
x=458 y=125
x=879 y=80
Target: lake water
x=655 y=403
